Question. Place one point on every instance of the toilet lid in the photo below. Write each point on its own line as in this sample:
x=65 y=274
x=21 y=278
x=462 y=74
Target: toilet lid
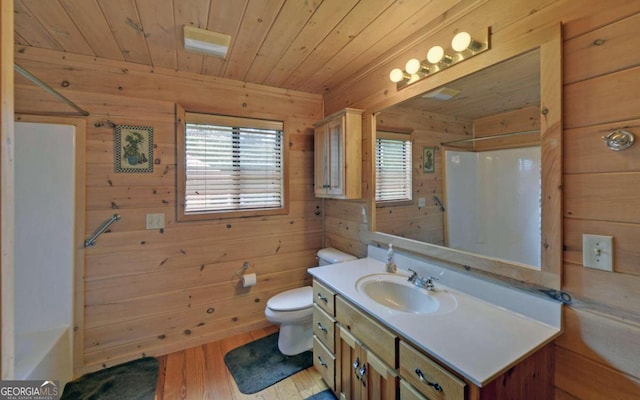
x=292 y=300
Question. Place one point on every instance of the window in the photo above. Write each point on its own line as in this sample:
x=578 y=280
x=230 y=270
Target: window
x=230 y=166
x=393 y=167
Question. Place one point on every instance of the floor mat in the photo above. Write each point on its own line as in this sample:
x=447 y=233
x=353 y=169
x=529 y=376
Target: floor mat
x=259 y=364
x=135 y=380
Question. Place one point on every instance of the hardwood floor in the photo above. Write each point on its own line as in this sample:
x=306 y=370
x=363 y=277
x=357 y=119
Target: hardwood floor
x=200 y=373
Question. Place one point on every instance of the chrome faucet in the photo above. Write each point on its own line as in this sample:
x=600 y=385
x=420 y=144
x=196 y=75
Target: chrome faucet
x=421 y=282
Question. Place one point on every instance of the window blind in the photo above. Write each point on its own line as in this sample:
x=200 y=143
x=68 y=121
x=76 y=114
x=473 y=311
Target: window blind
x=393 y=169
x=233 y=164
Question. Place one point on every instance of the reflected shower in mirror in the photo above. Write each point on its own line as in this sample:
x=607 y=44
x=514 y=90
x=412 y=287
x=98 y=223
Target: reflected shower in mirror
x=491 y=114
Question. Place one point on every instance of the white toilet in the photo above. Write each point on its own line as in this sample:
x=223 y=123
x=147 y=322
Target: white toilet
x=293 y=309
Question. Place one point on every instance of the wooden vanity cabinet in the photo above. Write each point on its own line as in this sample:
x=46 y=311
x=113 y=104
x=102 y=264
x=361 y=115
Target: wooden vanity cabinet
x=362 y=360
x=338 y=155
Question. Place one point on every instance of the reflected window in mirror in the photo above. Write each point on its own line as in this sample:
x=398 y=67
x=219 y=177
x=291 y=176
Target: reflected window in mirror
x=393 y=168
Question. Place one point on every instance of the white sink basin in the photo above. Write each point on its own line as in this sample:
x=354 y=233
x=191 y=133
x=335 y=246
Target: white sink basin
x=395 y=292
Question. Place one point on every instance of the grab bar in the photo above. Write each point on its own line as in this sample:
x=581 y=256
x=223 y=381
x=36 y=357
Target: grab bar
x=439 y=203
x=92 y=240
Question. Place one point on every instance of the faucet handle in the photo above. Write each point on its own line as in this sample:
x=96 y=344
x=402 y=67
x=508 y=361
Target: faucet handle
x=413 y=276
x=429 y=282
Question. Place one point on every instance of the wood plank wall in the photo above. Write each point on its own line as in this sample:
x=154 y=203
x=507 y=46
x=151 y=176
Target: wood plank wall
x=597 y=356
x=153 y=292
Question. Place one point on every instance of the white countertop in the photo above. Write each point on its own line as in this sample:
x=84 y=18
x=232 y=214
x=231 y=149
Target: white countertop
x=477 y=339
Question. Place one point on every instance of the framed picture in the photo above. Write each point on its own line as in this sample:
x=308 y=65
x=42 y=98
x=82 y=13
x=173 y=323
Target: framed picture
x=428 y=160
x=133 y=148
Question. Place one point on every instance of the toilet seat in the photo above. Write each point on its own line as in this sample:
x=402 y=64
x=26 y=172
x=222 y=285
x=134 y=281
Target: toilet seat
x=292 y=300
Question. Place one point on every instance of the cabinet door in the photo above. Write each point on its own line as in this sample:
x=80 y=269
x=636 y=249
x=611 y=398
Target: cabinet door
x=380 y=382
x=321 y=160
x=335 y=155
x=350 y=359
x=362 y=375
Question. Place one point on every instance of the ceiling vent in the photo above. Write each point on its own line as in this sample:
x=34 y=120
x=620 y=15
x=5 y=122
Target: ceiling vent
x=206 y=42
x=442 y=94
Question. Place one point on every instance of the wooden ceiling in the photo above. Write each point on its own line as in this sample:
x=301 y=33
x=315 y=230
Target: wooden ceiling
x=307 y=45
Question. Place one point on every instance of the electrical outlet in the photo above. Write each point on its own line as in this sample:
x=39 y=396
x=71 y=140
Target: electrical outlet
x=155 y=221
x=597 y=252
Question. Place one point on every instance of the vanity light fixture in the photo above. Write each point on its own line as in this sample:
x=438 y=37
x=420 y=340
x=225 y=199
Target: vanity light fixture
x=463 y=46
x=206 y=42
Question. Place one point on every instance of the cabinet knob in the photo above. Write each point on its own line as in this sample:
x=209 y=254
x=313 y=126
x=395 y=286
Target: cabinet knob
x=362 y=372
x=435 y=385
x=356 y=364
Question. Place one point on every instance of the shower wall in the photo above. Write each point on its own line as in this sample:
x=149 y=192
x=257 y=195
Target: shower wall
x=44 y=253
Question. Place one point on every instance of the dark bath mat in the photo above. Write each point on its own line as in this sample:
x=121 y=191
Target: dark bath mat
x=259 y=364
x=326 y=394
x=135 y=380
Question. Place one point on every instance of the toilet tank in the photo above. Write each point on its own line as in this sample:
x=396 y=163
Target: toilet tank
x=332 y=256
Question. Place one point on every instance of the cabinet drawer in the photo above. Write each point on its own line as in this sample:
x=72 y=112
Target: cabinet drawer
x=407 y=392
x=368 y=331
x=428 y=377
x=324 y=327
x=325 y=362
x=324 y=298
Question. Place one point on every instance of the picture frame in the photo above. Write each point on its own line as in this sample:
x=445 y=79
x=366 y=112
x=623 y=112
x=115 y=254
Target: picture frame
x=428 y=160
x=133 y=149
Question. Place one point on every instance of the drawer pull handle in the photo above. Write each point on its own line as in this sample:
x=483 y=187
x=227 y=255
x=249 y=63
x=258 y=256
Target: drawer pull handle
x=435 y=385
x=322 y=328
x=356 y=364
x=323 y=298
x=321 y=361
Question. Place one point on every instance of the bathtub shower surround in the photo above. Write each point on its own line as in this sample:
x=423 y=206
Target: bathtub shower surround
x=44 y=258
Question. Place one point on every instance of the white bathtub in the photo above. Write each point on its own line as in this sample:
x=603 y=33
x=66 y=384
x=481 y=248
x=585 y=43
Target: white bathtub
x=45 y=355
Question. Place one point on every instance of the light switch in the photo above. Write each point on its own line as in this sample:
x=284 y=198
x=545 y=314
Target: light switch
x=422 y=202
x=155 y=221
x=597 y=252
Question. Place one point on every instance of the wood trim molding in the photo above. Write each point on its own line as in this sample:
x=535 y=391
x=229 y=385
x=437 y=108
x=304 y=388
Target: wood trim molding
x=7 y=192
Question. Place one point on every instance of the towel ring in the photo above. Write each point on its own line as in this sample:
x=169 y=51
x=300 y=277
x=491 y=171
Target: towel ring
x=619 y=139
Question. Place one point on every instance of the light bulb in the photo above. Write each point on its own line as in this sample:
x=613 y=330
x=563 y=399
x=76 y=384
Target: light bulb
x=461 y=41
x=412 y=66
x=435 y=54
x=396 y=75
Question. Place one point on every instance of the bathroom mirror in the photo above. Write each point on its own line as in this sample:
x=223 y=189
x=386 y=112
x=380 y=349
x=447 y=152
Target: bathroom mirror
x=492 y=112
